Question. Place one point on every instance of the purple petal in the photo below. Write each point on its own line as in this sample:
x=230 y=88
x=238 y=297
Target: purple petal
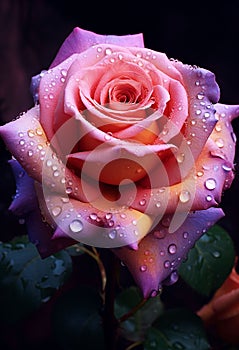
x=160 y=253
x=40 y=234
x=80 y=40
x=25 y=198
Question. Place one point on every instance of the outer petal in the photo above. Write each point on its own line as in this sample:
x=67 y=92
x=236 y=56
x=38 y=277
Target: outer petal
x=160 y=252
x=80 y=40
x=96 y=224
x=27 y=141
x=40 y=234
x=202 y=92
x=25 y=199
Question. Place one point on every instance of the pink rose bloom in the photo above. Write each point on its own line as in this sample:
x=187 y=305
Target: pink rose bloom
x=124 y=149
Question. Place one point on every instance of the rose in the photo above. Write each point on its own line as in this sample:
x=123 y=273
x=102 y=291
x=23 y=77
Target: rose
x=221 y=314
x=124 y=149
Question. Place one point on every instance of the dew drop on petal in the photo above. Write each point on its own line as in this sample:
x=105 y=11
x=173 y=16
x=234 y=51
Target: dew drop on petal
x=185 y=235
x=184 y=196
x=208 y=198
x=219 y=142
x=172 y=249
x=76 y=226
x=226 y=167
x=93 y=216
x=108 y=216
x=167 y=264
x=68 y=190
x=56 y=211
x=142 y=202
x=108 y=51
x=112 y=234
x=143 y=268
x=210 y=184
x=218 y=127
x=31 y=133
x=180 y=157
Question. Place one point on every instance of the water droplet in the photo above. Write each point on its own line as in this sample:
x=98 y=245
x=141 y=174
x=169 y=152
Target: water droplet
x=218 y=127
x=209 y=198
x=216 y=254
x=31 y=133
x=68 y=190
x=219 y=142
x=93 y=216
x=185 y=235
x=30 y=153
x=108 y=51
x=56 y=211
x=210 y=184
x=56 y=173
x=108 y=216
x=21 y=142
x=142 y=202
x=180 y=157
x=206 y=115
x=158 y=205
x=198 y=112
x=65 y=199
x=108 y=136
x=172 y=249
x=226 y=167
x=76 y=226
x=154 y=293
x=64 y=72
x=167 y=264
x=233 y=136
x=159 y=234
x=184 y=196
x=200 y=173
x=143 y=268
x=166 y=221
x=112 y=234
x=200 y=96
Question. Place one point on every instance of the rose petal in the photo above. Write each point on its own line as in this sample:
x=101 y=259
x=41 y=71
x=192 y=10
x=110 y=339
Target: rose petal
x=26 y=140
x=101 y=224
x=25 y=199
x=202 y=92
x=160 y=253
x=122 y=161
x=80 y=40
x=40 y=234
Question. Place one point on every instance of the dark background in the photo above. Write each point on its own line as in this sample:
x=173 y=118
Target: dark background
x=203 y=33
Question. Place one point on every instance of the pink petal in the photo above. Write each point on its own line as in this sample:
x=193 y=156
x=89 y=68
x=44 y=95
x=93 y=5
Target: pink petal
x=26 y=140
x=80 y=40
x=202 y=92
x=160 y=253
x=100 y=224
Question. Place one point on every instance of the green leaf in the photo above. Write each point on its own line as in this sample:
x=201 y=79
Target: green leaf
x=135 y=326
x=177 y=329
x=76 y=320
x=27 y=280
x=209 y=262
